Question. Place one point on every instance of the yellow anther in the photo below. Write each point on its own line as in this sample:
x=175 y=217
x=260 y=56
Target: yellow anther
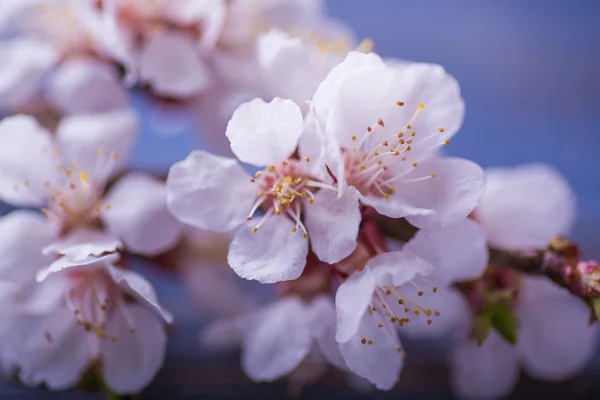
x=435 y=289
x=284 y=162
x=436 y=313
x=254 y=230
x=386 y=196
x=375 y=154
x=353 y=137
x=252 y=180
x=45 y=212
x=257 y=175
x=260 y=194
x=311 y=201
x=83 y=176
x=101 y=151
x=420 y=293
x=428 y=312
x=413 y=133
x=277 y=211
x=114 y=155
x=26 y=183
x=68 y=171
x=305 y=235
x=399 y=103
x=369 y=129
x=363 y=341
x=271 y=168
x=441 y=129
x=369 y=342
x=294 y=229
x=409 y=126
x=446 y=142
x=380 y=122
x=415 y=164
x=363 y=167
x=432 y=175
x=421 y=105
x=287 y=179
x=401 y=134
x=417 y=312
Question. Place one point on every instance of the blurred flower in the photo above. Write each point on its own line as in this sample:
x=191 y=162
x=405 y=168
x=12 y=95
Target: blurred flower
x=61 y=50
x=95 y=315
x=68 y=174
x=381 y=127
x=396 y=290
x=212 y=192
x=555 y=342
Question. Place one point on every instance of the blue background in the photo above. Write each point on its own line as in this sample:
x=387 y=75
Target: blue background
x=529 y=72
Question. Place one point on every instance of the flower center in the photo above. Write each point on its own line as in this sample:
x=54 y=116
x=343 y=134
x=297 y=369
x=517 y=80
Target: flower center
x=280 y=187
x=378 y=167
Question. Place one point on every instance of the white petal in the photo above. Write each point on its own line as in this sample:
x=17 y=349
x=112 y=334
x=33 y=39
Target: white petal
x=394 y=207
x=458 y=252
x=171 y=63
x=81 y=243
x=138 y=215
x=397 y=268
x=489 y=371
x=351 y=301
x=278 y=343
x=70 y=263
x=455 y=191
x=130 y=362
x=210 y=13
x=210 y=192
x=555 y=337
x=23 y=63
x=380 y=362
x=137 y=286
x=82 y=137
x=293 y=68
x=27 y=159
x=23 y=235
x=263 y=133
x=323 y=315
x=524 y=207
x=60 y=361
x=86 y=85
x=228 y=333
x=332 y=224
x=273 y=254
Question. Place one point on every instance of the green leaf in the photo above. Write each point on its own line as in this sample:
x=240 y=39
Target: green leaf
x=595 y=306
x=504 y=322
x=483 y=323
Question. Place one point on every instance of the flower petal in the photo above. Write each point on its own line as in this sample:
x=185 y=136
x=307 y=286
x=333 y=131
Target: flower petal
x=210 y=192
x=81 y=243
x=273 y=254
x=137 y=286
x=23 y=64
x=489 y=371
x=526 y=206
x=278 y=343
x=86 y=85
x=458 y=252
x=139 y=216
x=555 y=338
x=379 y=359
x=323 y=314
x=457 y=188
x=332 y=224
x=23 y=235
x=263 y=133
x=351 y=301
x=69 y=263
x=133 y=358
x=397 y=268
x=170 y=62
x=55 y=351
x=82 y=137
x=27 y=161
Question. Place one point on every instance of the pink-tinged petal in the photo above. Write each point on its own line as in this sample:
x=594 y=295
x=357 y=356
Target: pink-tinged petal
x=86 y=85
x=351 y=302
x=394 y=207
x=397 y=268
x=138 y=287
x=228 y=333
x=23 y=64
x=81 y=243
x=332 y=224
x=454 y=320
x=489 y=371
x=273 y=254
x=84 y=139
x=209 y=13
x=322 y=314
x=555 y=338
x=69 y=263
x=526 y=206
x=37 y=299
x=210 y=192
x=23 y=235
x=379 y=359
x=55 y=351
x=455 y=191
x=278 y=342
x=293 y=68
x=138 y=215
x=170 y=62
x=263 y=133
x=458 y=252
x=131 y=359
x=28 y=160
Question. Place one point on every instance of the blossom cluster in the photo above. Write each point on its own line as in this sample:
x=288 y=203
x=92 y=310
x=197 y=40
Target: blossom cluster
x=353 y=212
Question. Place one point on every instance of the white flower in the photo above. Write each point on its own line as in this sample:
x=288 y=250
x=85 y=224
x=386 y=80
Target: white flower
x=63 y=47
x=555 y=342
x=396 y=290
x=107 y=315
x=278 y=339
x=382 y=126
x=212 y=192
x=524 y=208
x=165 y=41
x=67 y=174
